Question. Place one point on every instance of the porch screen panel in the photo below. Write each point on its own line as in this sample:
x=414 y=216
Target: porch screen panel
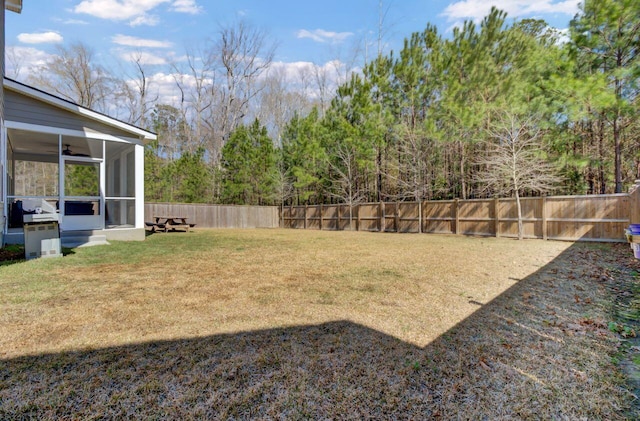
x=120 y=185
x=82 y=179
x=35 y=179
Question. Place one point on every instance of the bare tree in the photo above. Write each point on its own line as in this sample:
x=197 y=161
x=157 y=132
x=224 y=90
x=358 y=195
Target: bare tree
x=14 y=62
x=137 y=93
x=278 y=102
x=73 y=73
x=513 y=164
x=344 y=180
x=283 y=182
x=196 y=80
x=412 y=172
x=243 y=53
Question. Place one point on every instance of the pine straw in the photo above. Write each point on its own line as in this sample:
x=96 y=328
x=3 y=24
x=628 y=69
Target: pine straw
x=304 y=324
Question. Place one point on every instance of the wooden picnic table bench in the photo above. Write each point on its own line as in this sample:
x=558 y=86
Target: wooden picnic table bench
x=169 y=223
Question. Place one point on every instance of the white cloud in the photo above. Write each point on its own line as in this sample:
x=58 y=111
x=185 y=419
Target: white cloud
x=143 y=57
x=305 y=75
x=40 y=38
x=149 y=20
x=117 y=9
x=130 y=41
x=186 y=6
x=478 y=9
x=168 y=92
x=23 y=61
x=71 y=21
x=320 y=35
x=563 y=35
x=135 y=11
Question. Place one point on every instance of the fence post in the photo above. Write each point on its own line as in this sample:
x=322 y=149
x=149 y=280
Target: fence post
x=420 y=217
x=306 y=208
x=456 y=206
x=397 y=217
x=321 y=207
x=381 y=222
x=338 y=223
x=496 y=214
x=544 y=218
x=357 y=217
x=634 y=203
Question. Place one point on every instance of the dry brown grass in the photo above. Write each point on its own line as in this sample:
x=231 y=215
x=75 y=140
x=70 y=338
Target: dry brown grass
x=308 y=324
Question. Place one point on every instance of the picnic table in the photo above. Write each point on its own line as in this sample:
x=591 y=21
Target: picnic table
x=169 y=223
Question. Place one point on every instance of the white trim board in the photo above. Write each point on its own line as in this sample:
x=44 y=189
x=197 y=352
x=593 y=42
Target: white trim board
x=16 y=125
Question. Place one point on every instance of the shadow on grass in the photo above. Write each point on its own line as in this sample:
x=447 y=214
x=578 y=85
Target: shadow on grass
x=149 y=233
x=539 y=350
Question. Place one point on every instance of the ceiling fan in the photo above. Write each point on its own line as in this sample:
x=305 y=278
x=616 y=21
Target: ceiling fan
x=67 y=150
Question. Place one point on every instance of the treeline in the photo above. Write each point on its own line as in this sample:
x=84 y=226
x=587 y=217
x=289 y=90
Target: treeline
x=494 y=109
x=442 y=118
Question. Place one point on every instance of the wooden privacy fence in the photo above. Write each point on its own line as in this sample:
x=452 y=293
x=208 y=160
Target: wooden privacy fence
x=573 y=218
x=217 y=216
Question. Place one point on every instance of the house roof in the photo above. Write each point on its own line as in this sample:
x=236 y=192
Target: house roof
x=72 y=107
x=13 y=5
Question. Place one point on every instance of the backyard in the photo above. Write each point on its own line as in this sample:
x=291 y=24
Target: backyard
x=316 y=324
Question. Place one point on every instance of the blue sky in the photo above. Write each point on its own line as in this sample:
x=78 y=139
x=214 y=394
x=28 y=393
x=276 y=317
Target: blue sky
x=306 y=31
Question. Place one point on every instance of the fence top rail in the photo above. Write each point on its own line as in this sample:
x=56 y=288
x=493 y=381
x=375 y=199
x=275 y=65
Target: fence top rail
x=582 y=196
x=589 y=196
x=510 y=199
x=211 y=204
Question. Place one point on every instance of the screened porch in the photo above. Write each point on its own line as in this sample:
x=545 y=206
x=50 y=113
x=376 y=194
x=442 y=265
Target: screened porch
x=89 y=182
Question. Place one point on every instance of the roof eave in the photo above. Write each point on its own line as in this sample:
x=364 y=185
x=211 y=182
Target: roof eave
x=145 y=135
x=13 y=5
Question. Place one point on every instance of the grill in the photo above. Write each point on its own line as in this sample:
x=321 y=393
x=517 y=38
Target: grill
x=41 y=235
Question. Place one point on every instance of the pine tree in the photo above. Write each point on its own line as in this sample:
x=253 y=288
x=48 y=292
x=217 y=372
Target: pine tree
x=249 y=167
x=606 y=35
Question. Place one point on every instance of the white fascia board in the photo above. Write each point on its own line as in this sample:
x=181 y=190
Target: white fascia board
x=68 y=132
x=77 y=109
x=13 y=5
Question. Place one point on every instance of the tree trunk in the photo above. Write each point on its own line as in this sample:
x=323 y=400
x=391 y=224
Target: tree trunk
x=516 y=186
x=463 y=185
x=520 y=228
x=350 y=216
x=601 y=174
x=618 y=157
x=379 y=175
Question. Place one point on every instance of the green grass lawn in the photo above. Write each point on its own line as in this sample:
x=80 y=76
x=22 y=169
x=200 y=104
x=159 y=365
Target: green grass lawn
x=310 y=324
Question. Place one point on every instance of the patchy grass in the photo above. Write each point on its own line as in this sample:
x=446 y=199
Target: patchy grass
x=308 y=324
x=11 y=254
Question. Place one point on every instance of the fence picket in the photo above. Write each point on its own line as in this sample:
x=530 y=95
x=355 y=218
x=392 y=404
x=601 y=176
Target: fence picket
x=574 y=218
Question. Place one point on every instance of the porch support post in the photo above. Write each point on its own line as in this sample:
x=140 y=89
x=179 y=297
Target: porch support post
x=103 y=185
x=139 y=171
x=61 y=191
